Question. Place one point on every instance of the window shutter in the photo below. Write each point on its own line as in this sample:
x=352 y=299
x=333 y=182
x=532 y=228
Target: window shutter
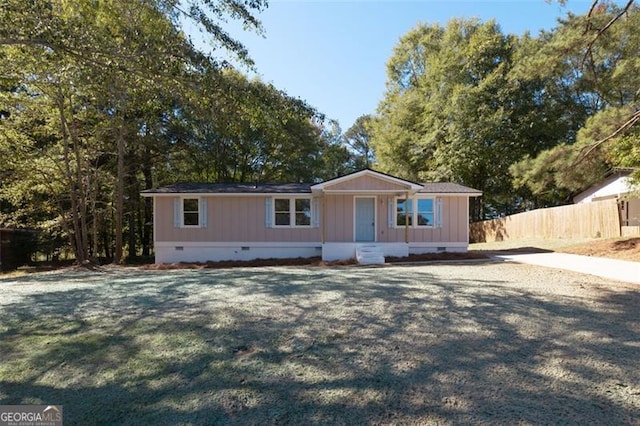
x=268 y=212
x=392 y=212
x=177 y=210
x=438 y=212
x=315 y=212
x=203 y=212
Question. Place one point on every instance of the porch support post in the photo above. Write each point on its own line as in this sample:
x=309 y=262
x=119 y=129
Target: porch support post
x=406 y=219
x=323 y=218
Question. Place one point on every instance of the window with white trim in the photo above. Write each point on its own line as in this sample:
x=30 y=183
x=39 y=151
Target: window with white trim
x=415 y=212
x=404 y=214
x=292 y=212
x=190 y=212
x=425 y=212
x=303 y=211
x=282 y=211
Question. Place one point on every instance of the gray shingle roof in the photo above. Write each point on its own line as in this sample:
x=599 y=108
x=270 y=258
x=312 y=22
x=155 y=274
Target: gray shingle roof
x=232 y=188
x=285 y=188
x=447 y=188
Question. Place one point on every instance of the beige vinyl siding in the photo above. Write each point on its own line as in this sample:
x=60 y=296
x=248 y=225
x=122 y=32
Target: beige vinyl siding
x=340 y=215
x=338 y=218
x=242 y=219
x=366 y=183
x=229 y=219
x=454 y=224
x=338 y=210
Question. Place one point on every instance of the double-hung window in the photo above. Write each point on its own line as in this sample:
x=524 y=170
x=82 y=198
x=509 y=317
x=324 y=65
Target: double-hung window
x=404 y=215
x=190 y=212
x=303 y=211
x=424 y=212
x=283 y=211
x=415 y=212
x=292 y=212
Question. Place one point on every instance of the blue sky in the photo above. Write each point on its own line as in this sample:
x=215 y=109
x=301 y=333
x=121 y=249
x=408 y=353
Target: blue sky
x=333 y=54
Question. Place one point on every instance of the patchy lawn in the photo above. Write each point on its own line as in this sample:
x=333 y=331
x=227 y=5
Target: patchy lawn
x=626 y=248
x=615 y=248
x=467 y=343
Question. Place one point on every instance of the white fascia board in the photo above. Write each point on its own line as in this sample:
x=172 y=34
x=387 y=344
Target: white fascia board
x=231 y=194
x=412 y=186
x=450 y=194
x=364 y=191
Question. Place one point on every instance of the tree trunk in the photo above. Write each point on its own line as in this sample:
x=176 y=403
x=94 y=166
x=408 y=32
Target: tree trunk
x=95 y=231
x=148 y=215
x=106 y=242
x=75 y=237
x=133 y=207
x=82 y=185
x=132 y=253
x=117 y=256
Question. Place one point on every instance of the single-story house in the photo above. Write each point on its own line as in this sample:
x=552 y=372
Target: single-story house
x=616 y=186
x=244 y=221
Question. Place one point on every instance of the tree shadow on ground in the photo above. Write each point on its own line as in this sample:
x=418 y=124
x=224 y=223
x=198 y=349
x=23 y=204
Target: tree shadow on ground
x=524 y=250
x=318 y=345
x=627 y=244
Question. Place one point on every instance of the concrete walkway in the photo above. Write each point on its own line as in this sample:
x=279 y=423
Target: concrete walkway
x=620 y=270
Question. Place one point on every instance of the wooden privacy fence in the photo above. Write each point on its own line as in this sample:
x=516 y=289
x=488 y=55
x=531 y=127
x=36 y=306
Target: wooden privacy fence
x=599 y=219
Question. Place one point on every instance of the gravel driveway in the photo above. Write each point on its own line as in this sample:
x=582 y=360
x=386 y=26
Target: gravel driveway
x=463 y=343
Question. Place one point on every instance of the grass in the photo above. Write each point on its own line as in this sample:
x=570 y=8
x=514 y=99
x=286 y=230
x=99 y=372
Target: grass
x=538 y=243
x=624 y=248
x=475 y=343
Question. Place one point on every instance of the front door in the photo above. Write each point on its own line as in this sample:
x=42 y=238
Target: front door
x=365 y=219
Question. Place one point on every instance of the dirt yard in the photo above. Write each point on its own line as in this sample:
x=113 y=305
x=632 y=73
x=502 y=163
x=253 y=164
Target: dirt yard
x=468 y=343
x=614 y=248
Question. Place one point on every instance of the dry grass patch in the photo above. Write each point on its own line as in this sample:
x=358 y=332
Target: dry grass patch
x=431 y=344
x=614 y=248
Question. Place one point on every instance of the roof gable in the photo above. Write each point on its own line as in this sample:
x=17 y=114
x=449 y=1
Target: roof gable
x=366 y=180
x=613 y=185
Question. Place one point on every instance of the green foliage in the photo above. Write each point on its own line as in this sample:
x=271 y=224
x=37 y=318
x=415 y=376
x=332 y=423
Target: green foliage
x=103 y=99
x=358 y=141
x=454 y=111
x=336 y=158
x=602 y=69
x=527 y=120
x=241 y=130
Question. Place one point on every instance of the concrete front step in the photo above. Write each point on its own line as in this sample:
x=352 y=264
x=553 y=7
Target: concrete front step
x=369 y=255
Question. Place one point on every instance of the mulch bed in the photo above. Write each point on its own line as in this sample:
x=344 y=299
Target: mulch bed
x=300 y=261
x=312 y=261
